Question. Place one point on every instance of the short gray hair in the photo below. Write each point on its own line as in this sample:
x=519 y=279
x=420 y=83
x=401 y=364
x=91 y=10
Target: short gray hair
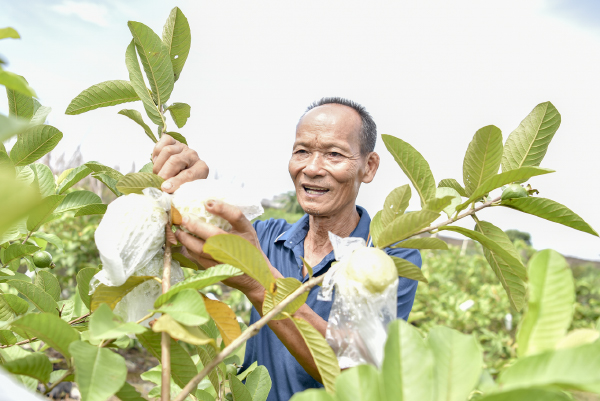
x=368 y=132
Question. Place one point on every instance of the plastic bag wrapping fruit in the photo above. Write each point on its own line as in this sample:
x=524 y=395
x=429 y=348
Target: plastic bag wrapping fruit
x=140 y=300
x=131 y=232
x=191 y=196
x=365 y=302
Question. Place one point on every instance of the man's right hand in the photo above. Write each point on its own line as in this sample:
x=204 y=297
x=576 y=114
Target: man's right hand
x=176 y=163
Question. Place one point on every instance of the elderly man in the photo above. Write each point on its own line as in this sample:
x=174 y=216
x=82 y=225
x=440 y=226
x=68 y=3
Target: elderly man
x=331 y=157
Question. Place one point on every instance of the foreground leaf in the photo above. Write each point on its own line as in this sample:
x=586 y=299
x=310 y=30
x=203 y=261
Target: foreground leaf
x=129 y=393
x=76 y=200
x=177 y=136
x=73 y=177
x=108 y=93
x=180 y=112
x=323 y=355
x=527 y=145
x=452 y=183
x=11 y=305
x=395 y=204
x=43 y=211
x=44 y=179
x=456 y=200
x=189 y=334
x=414 y=166
x=17 y=251
x=483 y=157
x=40 y=115
x=34 y=365
x=49 y=328
x=93 y=209
x=134 y=183
x=177 y=37
x=361 y=383
x=259 y=383
x=422 y=243
x=112 y=295
x=550 y=210
x=19 y=104
x=48 y=283
x=104 y=325
x=408 y=270
x=34 y=143
x=137 y=82
x=83 y=284
x=526 y=394
x=136 y=116
x=313 y=395
x=239 y=391
x=16 y=82
x=404 y=226
x=99 y=372
x=224 y=318
x=207 y=354
x=9 y=32
x=550 y=304
x=187 y=307
x=285 y=286
x=36 y=296
x=11 y=126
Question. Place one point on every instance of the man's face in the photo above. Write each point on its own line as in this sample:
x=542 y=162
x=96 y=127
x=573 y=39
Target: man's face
x=326 y=165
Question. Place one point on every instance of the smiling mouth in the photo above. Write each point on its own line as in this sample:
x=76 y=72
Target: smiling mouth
x=314 y=190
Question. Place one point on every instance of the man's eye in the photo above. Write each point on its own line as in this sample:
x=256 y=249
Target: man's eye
x=335 y=154
x=300 y=151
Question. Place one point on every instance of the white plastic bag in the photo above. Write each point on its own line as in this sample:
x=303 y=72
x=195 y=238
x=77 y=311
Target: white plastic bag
x=365 y=303
x=131 y=232
x=191 y=196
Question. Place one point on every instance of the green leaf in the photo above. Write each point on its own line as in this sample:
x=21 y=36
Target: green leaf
x=17 y=251
x=110 y=182
x=550 y=210
x=137 y=82
x=526 y=394
x=239 y=391
x=207 y=354
x=73 y=177
x=44 y=179
x=511 y=276
x=414 y=166
x=408 y=364
x=11 y=305
x=177 y=136
x=49 y=328
x=99 y=372
x=259 y=384
x=40 y=115
x=376 y=227
x=183 y=368
x=34 y=143
x=325 y=359
x=36 y=296
x=189 y=334
x=185 y=262
x=108 y=93
x=129 y=393
x=57 y=374
x=361 y=383
x=499 y=249
x=395 y=204
x=444 y=192
x=9 y=32
x=51 y=238
x=19 y=104
x=568 y=369
x=67 y=307
x=10 y=126
x=104 y=325
x=436 y=204
x=483 y=157
x=83 y=284
x=48 y=283
x=76 y=200
x=285 y=286
x=16 y=83
x=95 y=208
x=147 y=168
x=501 y=179
x=180 y=112
x=408 y=270
x=112 y=295
x=457 y=363
x=550 y=304
x=101 y=168
x=43 y=211
x=238 y=252
x=578 y=337
x=137 y=117
x=7 y=337
x=177 y=37
x=155 y=58
x=134 y=183
x=527 y=145
x=187 y=307
x=34 y=365
x=309 y=268
x=404 y=226
x=452 y=183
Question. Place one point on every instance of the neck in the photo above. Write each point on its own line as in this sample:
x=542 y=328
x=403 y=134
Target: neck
x=341 y=225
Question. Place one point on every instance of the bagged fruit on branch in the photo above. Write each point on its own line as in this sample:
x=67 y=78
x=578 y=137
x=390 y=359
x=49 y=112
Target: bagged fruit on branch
x=366 y=290
x=130 y=234
x=190 y=199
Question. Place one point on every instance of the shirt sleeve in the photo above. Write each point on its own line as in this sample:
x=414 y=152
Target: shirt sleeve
x=407 y=288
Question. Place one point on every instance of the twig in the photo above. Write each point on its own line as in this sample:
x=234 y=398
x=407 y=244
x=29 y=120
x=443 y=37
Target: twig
x=165 y=342
x=76 y=320
x=26 y=238
x=149 y=315
x=249 y=332
x=56 y=383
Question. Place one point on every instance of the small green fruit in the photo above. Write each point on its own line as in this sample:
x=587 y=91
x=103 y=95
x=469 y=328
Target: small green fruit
x=42 y=259
x=514 y=191
x=231 y=370
x=229 y=397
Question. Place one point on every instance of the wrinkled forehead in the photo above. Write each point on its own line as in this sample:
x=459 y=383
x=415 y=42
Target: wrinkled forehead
x=333 y=121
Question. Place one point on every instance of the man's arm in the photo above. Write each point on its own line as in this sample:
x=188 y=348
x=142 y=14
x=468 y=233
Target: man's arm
x=285 y=330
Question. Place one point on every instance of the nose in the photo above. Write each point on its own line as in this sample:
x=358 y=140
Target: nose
x=314 y=165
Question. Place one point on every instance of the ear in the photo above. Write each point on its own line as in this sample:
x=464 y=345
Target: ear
x=371 y=167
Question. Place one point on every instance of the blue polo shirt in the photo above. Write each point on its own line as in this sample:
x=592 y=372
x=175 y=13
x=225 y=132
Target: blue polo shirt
x=283 y=243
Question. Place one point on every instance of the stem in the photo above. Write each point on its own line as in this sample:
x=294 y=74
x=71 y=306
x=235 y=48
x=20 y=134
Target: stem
x=26 y=238
x=76 y=320
x=165 y=342
x=148 y=316
x=56 y=383
x=249 y=332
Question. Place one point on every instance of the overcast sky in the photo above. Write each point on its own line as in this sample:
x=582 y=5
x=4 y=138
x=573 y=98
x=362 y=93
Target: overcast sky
x=430 y=72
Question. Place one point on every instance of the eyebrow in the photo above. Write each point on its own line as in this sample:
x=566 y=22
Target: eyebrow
x=326 y=145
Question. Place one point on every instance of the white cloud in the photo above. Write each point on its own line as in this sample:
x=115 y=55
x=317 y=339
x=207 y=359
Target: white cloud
x=90 y=12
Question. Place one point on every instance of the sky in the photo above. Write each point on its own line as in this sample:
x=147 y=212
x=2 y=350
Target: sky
x=430 y=72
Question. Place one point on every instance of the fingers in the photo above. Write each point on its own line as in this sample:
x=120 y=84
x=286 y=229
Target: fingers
x=196 y=171
x=165 y=154
x=198 y=228
x=232 y=214
x=165 y=140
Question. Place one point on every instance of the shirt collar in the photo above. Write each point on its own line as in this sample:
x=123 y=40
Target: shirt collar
x=298 y=231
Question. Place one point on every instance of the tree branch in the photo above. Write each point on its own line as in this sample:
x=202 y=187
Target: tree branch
x=56 y=383
x=249 y=332
x=165 y=341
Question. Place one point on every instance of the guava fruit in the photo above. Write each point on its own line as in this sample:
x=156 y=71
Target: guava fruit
x=372 y=268
x=42 y=259
x=513 y=191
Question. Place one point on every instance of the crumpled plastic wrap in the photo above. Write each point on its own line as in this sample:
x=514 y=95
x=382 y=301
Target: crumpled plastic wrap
x=140 y=300
x=191 y=196
x=357 y=325
x=131 y=232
